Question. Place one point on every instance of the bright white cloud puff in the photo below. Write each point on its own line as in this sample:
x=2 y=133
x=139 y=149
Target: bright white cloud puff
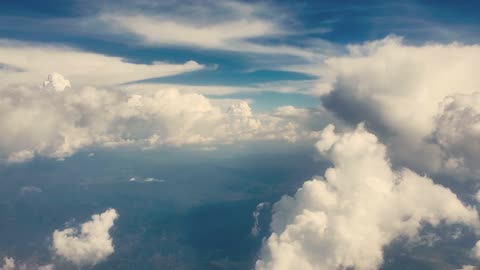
x=88 y=245
x=345 y=219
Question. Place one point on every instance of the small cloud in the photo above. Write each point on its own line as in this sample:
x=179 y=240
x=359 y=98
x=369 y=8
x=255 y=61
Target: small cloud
x=146 y=180
x=20 y=156
x=467 y=267
x=30 y=189
x=91 y=154
x=151 y=179
x=56 y=82
x=46 y=267
x=89 y=244
x=256 y=214
x=10 y=264
x=291 y=111
x=456 y=234
x=208 y=148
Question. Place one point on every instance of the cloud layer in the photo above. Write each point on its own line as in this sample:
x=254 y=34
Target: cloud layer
x=90 y=244
x=56 y=120
x=360 y=206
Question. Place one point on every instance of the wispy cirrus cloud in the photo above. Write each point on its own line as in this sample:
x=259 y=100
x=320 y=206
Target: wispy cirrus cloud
x=240 y=27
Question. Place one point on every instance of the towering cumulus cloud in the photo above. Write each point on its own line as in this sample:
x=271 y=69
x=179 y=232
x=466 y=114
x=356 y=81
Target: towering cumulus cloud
x=361 y=205
x=89 y=245
x=397 y=89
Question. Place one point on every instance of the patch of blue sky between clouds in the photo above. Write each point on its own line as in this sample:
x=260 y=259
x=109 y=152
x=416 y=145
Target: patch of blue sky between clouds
x=345 y=22
x=228 y=77
x=417 y=21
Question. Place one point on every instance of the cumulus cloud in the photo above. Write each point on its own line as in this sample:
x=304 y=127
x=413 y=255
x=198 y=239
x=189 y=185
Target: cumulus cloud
x=8 y=264
x=39 y=121
x=82 y=67
x=89 y=244
x=56 y=82
x=345 y=219
x=457 y=131
x=397 y=89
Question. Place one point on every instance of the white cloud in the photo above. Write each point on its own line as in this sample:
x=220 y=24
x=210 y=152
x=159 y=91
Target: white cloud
x=56 y=82
x=468 y=267
x=38 y=121
x=476 y=250
x=256 y=214
x=397 y=89
x=30 y=189
x=46 y=267
x=34 y=60
x=20 y=156
x=8 y=264
x=201 y=26
x=152 y=180
x=346 y=219
x=88 y=245
x=285 y=86
x=161 y=30
x=291 y=111
x=458 y=131
x=198 y=89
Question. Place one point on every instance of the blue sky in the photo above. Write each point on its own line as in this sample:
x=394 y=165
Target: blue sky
x=228 y=135
x=315 y=27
